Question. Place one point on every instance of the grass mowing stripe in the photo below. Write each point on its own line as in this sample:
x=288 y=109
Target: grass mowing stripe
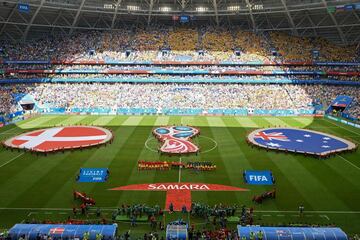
x=175 y=120
x=219 y=176
x=194 y=176
x=232 y=158
x=187 y=120
x=261 y=122
x=276 y=121
x=64 y=168
x=334 y=182
x=349 y=162
x=322 y=195
x=162 y=121
x=117 y=121
x=103 y=120
x=306 y=183
x=347 y=128
x=136 y=141
x=215 y=122
x=14 y=158
x=303 y=120
x=132 y=121
x=245 y=161
x=101 y=157
x=260 y=161
x=136 y=176
x=353 y=158
x=333 y=174
x=95 y=156
x=70 y=120
x=303 y=181
x=20 y=182
x=34 y=122
x=292 y=122
x=246 y=122
x=51 y=122
x=135 y=150
x=121 y=162
x=8 y=129
x=348 y=170
x=6 y=154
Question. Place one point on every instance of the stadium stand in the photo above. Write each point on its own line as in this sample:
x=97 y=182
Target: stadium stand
x=268 y=58
x=162 y=97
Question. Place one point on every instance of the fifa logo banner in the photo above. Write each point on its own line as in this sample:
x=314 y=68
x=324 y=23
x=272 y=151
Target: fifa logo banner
x=177 y=139
x=258 y=177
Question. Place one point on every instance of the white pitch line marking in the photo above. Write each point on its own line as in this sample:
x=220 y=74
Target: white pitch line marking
x=9 y=130
x=14 y=158
x=311 y=211
x=116 y=207
x=349 y=162
x=9 y=133
x=341 y=126
x=180 y=172
x=325 y=216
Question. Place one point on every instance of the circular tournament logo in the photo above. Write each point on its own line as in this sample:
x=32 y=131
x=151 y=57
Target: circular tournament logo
x=177 y=139
x=300 y=141
x=59 y=138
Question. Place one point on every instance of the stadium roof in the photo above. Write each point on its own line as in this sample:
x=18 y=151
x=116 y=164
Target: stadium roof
x=336 y=20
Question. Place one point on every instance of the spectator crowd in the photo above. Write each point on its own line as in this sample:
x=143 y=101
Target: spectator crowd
x=158 y=42
x=218 y=43
x=179 y=96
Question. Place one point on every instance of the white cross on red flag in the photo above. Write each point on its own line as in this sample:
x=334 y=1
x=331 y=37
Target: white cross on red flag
x=58 y=138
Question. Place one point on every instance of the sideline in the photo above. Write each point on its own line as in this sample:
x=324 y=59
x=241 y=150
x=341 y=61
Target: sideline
x=14 y=158
x=114 y=208
x=327 y=120
x=348 y=162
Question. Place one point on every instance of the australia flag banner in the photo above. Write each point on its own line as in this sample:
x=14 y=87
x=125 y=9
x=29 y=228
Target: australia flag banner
x=300 y=141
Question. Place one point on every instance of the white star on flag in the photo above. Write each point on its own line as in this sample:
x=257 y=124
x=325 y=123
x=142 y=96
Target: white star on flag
x=273 y=144
x=307 y=135
x=325 y=141
x=326 y=138
x=299 y=140
x=325 y=146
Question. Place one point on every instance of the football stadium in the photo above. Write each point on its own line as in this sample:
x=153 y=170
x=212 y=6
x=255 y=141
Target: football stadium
x=180 y=119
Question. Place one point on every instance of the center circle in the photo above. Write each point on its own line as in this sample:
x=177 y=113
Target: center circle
x=152 y=149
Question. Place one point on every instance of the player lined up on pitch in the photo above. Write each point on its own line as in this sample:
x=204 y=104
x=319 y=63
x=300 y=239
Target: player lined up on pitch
x=165 y=165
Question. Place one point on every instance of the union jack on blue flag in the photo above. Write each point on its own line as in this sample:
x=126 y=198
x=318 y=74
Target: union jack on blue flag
x=299 y=140
x=271 y=136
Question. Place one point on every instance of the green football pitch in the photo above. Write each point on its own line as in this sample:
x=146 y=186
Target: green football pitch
x=40 y=187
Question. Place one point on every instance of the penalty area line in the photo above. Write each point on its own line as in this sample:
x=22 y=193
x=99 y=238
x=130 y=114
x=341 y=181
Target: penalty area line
x=14 y=158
